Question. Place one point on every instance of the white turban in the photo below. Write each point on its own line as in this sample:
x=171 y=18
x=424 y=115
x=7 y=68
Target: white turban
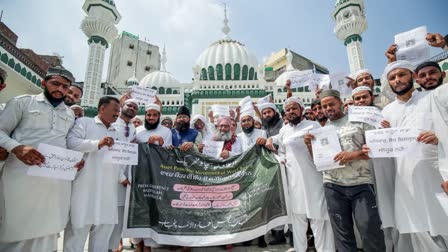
x=398 y=64
x=152 y=106
x=359 y=72
x=257 y=119
x=265 y=105
x=131 y=101
x=294 y=99
x=198 y=117
x=361 y=88
x=249 y=112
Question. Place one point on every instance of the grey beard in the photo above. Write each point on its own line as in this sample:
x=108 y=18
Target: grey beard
x=223 y=136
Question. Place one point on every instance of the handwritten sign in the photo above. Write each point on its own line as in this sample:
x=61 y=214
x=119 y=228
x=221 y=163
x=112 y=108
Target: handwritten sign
x=246 y=104
x=339 y=82
x=412 y=45
x=299 y=78
x=392 y=142
x=213 y=148
x=123 y=153
x=143 y=95
x=325 y=146
x=265 y=99
x=366 y=114
x=220 y=110
x=319 y=81
x=59 y=163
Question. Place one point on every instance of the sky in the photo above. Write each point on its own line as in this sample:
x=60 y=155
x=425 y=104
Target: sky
x=187 y=27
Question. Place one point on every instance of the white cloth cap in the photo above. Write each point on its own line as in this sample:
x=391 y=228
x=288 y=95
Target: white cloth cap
x=361 y=88
x=398 y=64
x=131 y=101
x=198 y=117
x=249 y=112
x=294 y=99
x=76 y=106
x=152 y=106
x=359 y=72
x=265 y=105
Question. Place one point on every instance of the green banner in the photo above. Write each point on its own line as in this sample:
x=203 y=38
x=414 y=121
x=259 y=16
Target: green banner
x=186 y=198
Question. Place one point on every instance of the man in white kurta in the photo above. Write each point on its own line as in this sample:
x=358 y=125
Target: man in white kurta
x=232 y=145
x=93 y=209
x=420 y=218
x=36 y=208
x=127 y=130
x=152 y=132
x=306 y=191
x=250 y=135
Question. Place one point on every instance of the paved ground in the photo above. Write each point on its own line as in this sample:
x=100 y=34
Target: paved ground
x=253 y=248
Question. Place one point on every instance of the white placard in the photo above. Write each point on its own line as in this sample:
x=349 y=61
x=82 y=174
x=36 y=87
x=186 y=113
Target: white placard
x=221 y=110
x=366 y=114
x=325 y=146
x=123 y=153
x=392 y=142
x=299 y=78
x=321 y=81
x=143 y=95
x=246 y=104
x=339 y=82
x=59 y=163
x=412 y=45
x=213 y=148
x=265 y=99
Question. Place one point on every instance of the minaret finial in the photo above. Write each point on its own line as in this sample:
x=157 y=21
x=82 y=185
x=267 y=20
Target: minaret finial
x=163 y=60
x=226 y=28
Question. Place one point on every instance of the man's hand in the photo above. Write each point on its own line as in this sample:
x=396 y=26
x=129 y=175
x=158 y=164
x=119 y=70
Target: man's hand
x=158 y=102
x=201 y=147
x=186 y=146
x=225 y=154
x=261 y=141
x=2 y=86
x=28 y=155
x=157 y=140
x=288 y=85
x=444 y=186
x=365 y=149
x=210 y=116
x=428 y=137
x=80 y=165
x=385 y=124
x=170 y=147
x=3 y=154
x=106 y=141
x=351 y=82
x=391 y=53
x=125 y=182
x=347 y=156
x=126 y=96
x=269 y=145
x=436 y=40
x=307 y=138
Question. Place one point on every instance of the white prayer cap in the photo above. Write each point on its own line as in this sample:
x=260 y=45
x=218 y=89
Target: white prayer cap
x=307 y=107
x=76 y=106
x=359 y=72
x=265 y=105
x=248 y=112
x=361 y=88
x=198 y=117
x=152 y=106
x=294 y=99
x=131 y=101
x=398 y=64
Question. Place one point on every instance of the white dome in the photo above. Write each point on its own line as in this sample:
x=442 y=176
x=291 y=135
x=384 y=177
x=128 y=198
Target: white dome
x=159 y=79
x=132 y=81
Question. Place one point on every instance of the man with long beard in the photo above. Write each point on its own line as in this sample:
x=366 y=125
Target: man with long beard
x=250 y=135
x=36 y=209
x=200 y=124
x=307 y=201
x=420 y=220
x=184 y=137
x=272 y=122
x=232 y=145
x=318 y=113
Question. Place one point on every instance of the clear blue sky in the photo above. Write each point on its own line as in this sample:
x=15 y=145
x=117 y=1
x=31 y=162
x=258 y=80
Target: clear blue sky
x=188 y=26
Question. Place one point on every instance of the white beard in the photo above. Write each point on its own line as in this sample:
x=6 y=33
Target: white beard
x=223 y=136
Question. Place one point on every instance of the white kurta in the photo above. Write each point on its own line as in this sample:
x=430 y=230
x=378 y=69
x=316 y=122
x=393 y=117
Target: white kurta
x=249 y=140
x=143 y=134
x=34 y=206
x=94 y=194
x=417 y=179
x=306 y=190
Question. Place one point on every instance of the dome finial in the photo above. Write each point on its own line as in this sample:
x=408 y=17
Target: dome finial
x=163 y=60
x=226 y=28
x=289 y=57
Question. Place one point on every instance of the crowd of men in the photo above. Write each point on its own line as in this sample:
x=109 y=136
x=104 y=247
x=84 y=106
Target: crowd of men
x=381 y=204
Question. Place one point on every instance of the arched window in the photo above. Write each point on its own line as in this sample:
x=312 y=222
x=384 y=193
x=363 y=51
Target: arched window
x=256 y=77
x=154 y=88
x=17 y=68
x=251 y=73
x=245 y=72
x=228 y=69
x=161 y=90
x=219 y=72
x=28 y=75
x=11 y=63
x=23 y=72
x=33 y=79
x=169 y=91
x=279 y=90
x=4 y=58
x=236 y=71
x=211 y=73
x=204 y=74
x=175 y=92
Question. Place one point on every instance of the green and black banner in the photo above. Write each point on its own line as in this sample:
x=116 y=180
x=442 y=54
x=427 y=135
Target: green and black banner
x=189 y=199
